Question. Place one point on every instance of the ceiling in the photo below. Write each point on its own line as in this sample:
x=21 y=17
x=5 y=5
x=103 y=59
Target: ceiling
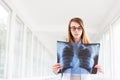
x=51 y=17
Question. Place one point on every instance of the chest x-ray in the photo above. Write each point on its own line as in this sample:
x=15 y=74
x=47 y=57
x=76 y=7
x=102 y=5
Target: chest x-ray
x=77 y=58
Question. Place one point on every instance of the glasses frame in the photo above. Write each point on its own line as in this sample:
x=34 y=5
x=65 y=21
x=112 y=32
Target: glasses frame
x=73 y=28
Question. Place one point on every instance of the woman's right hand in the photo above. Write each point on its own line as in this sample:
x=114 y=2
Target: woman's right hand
x=57 y=67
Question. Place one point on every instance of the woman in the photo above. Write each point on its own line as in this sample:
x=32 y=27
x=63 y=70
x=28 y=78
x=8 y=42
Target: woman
x=76 y=34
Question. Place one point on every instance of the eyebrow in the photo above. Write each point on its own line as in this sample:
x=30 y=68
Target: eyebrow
x=75 y=26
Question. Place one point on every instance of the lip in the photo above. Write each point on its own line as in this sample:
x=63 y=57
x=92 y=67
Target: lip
x=76 y=34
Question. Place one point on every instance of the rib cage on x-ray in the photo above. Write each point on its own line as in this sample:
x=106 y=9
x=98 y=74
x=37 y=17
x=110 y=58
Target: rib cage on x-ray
x=87 y=54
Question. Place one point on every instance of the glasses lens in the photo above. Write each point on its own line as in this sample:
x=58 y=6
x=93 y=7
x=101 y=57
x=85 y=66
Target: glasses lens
x=74 y=28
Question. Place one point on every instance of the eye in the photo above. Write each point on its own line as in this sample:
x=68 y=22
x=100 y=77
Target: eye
x=76 y=28
x=79 y=28
x=73 y=27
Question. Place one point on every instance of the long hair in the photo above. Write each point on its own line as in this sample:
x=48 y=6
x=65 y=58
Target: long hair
x=83 y=36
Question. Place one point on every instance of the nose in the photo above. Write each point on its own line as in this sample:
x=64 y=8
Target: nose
x=76 y=29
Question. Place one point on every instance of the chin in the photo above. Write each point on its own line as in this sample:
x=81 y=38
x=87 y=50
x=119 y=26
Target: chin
x=76 y=37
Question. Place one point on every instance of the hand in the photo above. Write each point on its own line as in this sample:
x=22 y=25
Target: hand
x=56 y=68
x=99 y=68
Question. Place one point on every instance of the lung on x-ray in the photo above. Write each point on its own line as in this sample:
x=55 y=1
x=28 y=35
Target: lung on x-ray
x=78 y=60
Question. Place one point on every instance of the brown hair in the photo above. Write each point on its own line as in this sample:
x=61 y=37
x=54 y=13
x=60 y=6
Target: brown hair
x=83 y=36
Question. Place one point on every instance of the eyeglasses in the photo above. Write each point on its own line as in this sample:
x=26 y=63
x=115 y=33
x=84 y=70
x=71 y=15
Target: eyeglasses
x=73 y=28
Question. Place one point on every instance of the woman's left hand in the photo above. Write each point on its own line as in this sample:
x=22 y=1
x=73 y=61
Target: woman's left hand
x=99 y=68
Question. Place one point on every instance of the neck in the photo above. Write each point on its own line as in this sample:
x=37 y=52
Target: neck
x=77 y=40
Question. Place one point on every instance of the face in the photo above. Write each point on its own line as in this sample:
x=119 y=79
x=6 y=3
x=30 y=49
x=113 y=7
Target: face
x=76 y=30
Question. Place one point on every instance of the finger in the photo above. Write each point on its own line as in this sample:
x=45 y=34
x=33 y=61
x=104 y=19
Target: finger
x=57 y=67
x=100 y=70
x=97 y=66
x=57 y=64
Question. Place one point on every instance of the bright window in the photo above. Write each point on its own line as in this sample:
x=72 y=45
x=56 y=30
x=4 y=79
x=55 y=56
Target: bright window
x=28 y=56
x=4 y=23
x=18 y=48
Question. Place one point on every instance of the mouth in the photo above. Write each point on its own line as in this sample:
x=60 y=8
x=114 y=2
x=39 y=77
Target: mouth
x=76 y=34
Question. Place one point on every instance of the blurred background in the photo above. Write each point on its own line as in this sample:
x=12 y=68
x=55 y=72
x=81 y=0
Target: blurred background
x=29 y=30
